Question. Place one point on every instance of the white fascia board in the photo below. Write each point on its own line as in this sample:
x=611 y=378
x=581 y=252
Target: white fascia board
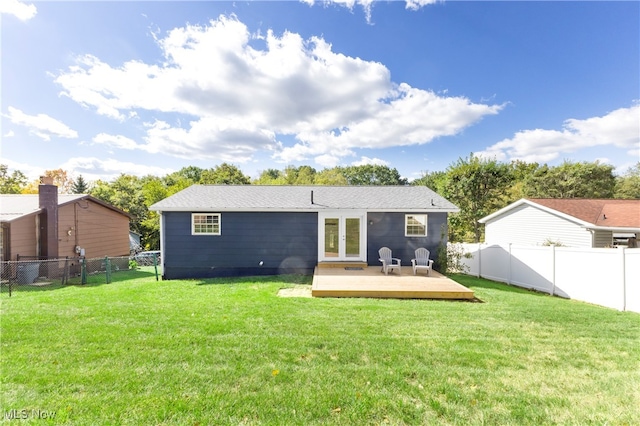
x=630 y=230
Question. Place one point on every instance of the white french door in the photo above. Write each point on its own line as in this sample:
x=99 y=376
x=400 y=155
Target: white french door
x=341 y=236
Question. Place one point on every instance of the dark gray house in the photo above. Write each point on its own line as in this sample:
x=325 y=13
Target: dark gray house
x=229 y=230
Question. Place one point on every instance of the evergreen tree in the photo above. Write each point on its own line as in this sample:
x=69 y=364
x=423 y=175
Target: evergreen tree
x=79 y=186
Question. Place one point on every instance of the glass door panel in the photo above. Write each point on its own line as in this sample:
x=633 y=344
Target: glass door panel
x=332 y=237
x=352 y=237
x=342 y=237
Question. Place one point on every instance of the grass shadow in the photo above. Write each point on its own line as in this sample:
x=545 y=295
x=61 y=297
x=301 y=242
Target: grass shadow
x=7 y=289
x=475 y=282
x=286 y=279
x=93 y=280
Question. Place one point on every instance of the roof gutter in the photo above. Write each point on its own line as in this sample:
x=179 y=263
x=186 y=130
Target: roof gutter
x=630 y=229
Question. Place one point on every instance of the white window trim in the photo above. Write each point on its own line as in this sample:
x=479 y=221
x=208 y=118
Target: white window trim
x=193 y=232
x=406 y=224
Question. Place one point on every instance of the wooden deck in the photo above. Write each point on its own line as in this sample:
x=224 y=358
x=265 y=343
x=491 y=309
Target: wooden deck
x=368 y=281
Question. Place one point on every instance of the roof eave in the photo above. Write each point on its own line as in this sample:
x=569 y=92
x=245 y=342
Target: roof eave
x=630 y=229
x=97 y=201
x=302 y=209
x=22 y=216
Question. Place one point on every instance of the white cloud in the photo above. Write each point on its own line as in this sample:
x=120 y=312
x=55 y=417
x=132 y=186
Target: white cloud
x=9 y=134
x=365 y=4
x=417 y=4
x=92 y=168
x=366 y=160
x=209 y=138
x=41 y=125
x=30 y=171
x=327 y=160
x=604 y=160
x=241 y=99
x=368 y=4
x=116 y=141
x=619 y=128
x=20 y=10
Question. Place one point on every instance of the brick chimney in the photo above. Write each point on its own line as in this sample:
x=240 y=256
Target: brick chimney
x=48 y=201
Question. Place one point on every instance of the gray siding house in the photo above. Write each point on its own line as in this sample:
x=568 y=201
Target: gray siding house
x=240 y=230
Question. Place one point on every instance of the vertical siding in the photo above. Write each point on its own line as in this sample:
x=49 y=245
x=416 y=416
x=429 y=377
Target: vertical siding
x=99 y=230
x=283 y=242
x=387 y=230
x=23 y=237
x=66 y=223
x=528 y=225
x=603 y=239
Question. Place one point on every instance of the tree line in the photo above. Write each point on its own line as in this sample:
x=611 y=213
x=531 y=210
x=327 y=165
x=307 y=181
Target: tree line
x=478 y=186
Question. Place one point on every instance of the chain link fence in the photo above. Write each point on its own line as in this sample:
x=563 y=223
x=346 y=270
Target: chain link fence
x=31 y=273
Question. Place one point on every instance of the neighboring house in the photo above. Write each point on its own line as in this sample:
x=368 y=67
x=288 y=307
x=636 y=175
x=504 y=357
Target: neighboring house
x=215 y=230
x=569 y=222
x=58 y=226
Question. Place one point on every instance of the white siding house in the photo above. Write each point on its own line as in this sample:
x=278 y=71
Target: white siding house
x=567 y=222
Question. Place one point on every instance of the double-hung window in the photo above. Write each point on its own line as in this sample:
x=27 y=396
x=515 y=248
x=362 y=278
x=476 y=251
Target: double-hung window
x=415 y=225
x=205 y=223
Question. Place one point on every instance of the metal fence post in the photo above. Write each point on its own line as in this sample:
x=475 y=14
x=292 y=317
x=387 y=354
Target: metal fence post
x=83 y=270
x=65 y=272
x=155 y=264
x=107 y=264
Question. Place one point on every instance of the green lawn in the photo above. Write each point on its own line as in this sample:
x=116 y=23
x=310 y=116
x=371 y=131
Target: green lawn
x=231 y=352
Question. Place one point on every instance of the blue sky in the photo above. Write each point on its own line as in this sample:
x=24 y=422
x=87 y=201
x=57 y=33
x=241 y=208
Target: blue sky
x=103 y=88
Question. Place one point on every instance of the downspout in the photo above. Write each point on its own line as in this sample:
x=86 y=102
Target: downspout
x=75 y=225
x=38 y=239
x=162 y=253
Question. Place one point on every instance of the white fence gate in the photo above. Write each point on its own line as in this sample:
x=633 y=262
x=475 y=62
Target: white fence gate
x=606 y=277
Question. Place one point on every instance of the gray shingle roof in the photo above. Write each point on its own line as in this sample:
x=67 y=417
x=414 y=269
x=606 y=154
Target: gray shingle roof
x=298 y=198
x=13 y=206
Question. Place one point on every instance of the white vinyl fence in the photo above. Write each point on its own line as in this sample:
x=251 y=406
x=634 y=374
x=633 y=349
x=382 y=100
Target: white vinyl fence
x=606 y=277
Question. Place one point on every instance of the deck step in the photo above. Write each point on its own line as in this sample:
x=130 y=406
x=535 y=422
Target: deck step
x=342 y=265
